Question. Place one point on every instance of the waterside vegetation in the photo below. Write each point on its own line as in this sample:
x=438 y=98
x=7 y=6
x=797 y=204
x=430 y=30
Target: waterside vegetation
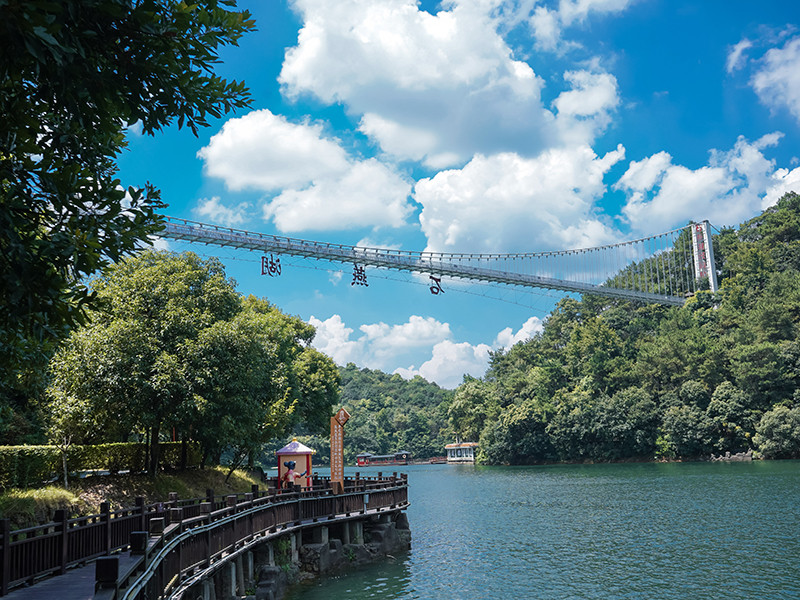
x=609 y=380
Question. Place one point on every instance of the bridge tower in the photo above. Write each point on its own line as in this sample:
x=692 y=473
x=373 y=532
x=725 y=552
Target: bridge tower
x=704 y=265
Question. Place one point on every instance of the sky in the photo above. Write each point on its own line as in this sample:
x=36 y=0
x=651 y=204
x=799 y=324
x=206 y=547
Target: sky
x=478 y=126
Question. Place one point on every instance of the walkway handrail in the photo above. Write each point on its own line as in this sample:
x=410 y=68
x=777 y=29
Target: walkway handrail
x=211 y=539
x=51 y=548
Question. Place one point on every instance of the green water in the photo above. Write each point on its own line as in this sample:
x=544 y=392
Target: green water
x=660 y=531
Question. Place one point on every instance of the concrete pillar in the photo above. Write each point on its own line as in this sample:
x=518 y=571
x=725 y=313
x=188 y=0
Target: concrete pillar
x=346 y=532
x=296 y=543
x=320 y=535
x=357 y=532
x=227 y=581
x=271 y=555
x=240 y=576
x=208 y=591
x=251 y=567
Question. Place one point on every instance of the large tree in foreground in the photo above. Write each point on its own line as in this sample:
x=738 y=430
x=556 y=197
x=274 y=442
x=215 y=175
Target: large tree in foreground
x=178 y=352
x=74 y=74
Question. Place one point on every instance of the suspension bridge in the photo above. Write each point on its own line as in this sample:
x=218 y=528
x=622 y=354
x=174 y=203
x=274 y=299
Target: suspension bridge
x=665 y=268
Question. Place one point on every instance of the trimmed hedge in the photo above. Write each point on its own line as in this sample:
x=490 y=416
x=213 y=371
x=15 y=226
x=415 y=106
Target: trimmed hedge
x=25 y=466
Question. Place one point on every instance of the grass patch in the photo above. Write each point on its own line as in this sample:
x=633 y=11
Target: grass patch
x=33 y=507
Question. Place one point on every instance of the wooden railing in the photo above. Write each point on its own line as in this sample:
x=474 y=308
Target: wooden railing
x=226 y=522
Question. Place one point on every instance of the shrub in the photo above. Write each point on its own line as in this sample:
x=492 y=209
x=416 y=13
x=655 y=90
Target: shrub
x=778 y=433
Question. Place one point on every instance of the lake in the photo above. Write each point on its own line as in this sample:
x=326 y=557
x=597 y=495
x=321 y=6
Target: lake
x=667 y=531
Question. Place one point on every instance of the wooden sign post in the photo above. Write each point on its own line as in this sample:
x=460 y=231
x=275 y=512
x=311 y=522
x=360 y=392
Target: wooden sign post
x=337 y=450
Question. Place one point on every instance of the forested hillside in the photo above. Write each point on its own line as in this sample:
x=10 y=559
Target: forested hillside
x=614 y=380
x=389 y=413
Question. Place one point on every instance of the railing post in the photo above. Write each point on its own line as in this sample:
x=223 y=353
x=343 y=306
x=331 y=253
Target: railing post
x=206 y=508
x=5 y=571
x=210 y=497
x=106 y=572
x=254 y=490
x=62 y=517
x=139 y=500
x=173 y=499
x=105 y=511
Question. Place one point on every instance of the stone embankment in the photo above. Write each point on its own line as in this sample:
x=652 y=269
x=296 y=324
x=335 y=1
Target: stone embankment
x=738 y=457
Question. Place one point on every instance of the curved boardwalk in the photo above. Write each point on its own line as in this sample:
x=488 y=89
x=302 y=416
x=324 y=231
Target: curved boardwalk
x=172 y=542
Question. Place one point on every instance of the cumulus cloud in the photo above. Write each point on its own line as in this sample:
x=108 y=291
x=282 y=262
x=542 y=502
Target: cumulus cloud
x=777 y=80
x=729 y=189
x=585 y=110
x=431 y=87
x=449 y=362
x=507 y=338
x=213 y=210
x=383 y=346
x=266 y=152
x=368 y=194
x=321 y=186
x=506 y=202
x=783 y=181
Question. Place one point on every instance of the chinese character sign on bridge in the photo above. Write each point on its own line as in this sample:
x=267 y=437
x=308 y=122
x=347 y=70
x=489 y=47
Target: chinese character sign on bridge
x=337 y=449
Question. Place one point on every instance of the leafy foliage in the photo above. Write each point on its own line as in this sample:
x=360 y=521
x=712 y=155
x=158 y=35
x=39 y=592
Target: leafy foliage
x=614 y=380
x=74 y=75
x=177 y=349
x=389 y=414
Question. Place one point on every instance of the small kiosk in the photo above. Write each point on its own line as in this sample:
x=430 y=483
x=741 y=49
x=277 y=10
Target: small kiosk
x=463 y=452
x=295 y=452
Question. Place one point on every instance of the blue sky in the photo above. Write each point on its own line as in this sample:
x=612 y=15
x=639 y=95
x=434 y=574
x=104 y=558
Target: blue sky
x=479 y=126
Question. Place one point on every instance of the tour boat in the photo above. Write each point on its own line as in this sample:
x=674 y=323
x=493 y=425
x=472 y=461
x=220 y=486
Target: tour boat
x=368 y=459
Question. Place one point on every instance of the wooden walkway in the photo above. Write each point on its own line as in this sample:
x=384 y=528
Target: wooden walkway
x=169 y=550
x=75 y=584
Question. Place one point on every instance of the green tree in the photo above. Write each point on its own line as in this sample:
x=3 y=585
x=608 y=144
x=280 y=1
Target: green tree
x=518 y=436
x=472 y=404
x=179 y=350
x=684 y=432
x=778 y=433
x=731 y=420
x=74 y=75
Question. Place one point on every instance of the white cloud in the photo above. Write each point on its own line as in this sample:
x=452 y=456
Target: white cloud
x=736 y=55
x=136 y=128
x=507 y=338
x=333 y=338
x=506 y=202
x=378 y=344
x=321 y=186
x=211 y=209
x=585 y=110
x=266 y=152
x=644 y=174
x=784 y=181
x=449 y=75
x=777 y=82
x=730 y=189
x=425 y=340
x=546 y=27
x=547 y=24
x=449 y=363
x=369 y=194
x=160 y=243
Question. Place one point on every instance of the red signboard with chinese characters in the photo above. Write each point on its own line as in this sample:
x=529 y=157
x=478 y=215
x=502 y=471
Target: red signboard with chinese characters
x=337 y=449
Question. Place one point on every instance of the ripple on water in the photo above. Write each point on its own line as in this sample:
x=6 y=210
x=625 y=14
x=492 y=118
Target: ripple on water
x=698 y=531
